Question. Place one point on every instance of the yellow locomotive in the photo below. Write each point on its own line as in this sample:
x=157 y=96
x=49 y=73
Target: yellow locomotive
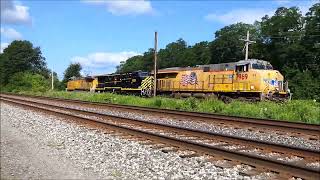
x=246 y=79
x=250 y=79
x=82 y=84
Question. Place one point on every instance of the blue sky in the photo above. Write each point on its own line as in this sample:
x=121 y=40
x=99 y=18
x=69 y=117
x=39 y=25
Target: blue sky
x=99 y=34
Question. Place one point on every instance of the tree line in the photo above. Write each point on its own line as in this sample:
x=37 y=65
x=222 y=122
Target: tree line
x=289 y=40
x=23 y=68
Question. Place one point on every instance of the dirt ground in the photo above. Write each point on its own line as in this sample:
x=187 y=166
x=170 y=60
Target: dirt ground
x=22 y=157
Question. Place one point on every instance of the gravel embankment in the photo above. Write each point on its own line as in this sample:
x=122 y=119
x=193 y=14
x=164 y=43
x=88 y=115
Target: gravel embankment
x=265 y=136
x=39 y=146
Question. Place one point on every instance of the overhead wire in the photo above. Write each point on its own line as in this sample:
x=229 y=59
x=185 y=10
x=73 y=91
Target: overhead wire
x=275 y=37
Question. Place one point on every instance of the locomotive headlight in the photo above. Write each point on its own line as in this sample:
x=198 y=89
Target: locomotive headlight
x=252 y=87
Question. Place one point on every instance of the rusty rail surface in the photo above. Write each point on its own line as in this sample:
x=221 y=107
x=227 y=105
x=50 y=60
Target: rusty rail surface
x=295 y=170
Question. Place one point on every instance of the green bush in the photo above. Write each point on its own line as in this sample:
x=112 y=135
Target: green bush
x=303 y=84
x=26 y=81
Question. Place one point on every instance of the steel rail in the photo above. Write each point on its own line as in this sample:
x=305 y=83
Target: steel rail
x=257 y=143
x=298 y=171
x=266 y=123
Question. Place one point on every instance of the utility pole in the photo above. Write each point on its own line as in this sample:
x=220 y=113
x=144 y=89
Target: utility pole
x=52 y=79
x=247 y=44
x=155 y=63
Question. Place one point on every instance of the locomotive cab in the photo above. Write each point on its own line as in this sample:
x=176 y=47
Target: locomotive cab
x=263 y=79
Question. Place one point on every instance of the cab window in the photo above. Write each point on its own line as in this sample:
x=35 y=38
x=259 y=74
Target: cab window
x=269 y=66
x=261 y=66
x=242 y=68
x=258 y=66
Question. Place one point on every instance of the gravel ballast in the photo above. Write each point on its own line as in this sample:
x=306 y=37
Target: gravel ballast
x=37 y=145
x=268 y=136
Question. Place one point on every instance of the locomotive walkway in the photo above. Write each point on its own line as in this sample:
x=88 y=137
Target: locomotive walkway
x=290 y=161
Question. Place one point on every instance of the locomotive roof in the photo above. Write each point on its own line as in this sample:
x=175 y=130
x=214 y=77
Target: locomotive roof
x=241 y=62
x=81 y=78
x=215 y=67
x=117 y=74
x=175 y=69
x=252 y=61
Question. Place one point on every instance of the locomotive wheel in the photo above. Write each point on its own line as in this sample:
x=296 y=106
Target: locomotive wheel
x=211 y=96
x=149 y=93
x=177 y=95
x=226 y=99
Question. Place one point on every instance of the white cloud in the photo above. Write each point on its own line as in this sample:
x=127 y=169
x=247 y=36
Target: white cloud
x=248 y=16
x=124 y=7
x=282 y=2
x=3 y=46
x=103 y=60
x=14 y=13
x=305 y=6
x=10 y=33
x=302 y=5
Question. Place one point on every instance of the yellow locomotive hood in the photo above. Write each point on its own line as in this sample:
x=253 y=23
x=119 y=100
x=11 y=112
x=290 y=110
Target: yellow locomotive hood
x=272 y=80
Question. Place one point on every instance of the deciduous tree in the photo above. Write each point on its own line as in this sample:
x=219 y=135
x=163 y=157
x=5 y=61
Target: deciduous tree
x=21 y=56
x=73 y=70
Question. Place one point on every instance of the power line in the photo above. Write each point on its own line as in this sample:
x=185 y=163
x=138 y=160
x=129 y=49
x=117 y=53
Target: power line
x=275 y=37
x=284 y=36
x=279 y=37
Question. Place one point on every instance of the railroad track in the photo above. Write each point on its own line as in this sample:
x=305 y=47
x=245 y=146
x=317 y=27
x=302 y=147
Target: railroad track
x=233 y=149
x=294 y=129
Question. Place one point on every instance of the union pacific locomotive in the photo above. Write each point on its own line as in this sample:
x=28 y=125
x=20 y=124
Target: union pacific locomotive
x=245 y=79
x=82 y=84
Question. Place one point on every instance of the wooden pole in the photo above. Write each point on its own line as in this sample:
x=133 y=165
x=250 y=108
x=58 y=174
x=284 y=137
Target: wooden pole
x=155 y=63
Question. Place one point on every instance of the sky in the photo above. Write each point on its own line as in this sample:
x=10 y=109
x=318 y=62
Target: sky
x=99 y=34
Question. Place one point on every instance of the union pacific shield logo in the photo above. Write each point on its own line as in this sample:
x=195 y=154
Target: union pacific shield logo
x=189 y=79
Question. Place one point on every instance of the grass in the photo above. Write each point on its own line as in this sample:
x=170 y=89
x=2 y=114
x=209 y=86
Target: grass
x=306 y=111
